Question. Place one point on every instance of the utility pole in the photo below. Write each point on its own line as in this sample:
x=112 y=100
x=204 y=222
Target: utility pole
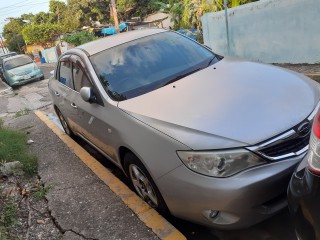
x=115 y=16
x=227 y=24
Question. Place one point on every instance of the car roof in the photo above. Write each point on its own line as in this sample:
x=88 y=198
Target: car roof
x=7 y=54
x=97 y=46
x=16 y=56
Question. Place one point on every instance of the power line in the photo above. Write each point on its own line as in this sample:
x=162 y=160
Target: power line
x=22 y=6
x=15 y=4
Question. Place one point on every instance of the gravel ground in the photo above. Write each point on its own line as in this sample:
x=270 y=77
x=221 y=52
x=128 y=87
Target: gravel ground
x=32 y=218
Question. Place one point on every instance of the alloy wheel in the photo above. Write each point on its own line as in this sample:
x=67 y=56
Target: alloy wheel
x=143 y=186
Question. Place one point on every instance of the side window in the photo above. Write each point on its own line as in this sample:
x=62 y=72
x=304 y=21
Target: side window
x=65 y=76
x=80 y=78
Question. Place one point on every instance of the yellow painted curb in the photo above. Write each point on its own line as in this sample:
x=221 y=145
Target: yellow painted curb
x=313 y=74
x=151 y=218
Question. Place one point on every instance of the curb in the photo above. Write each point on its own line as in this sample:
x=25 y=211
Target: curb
x=7 y=90
x=150 y=217
x=314 y=76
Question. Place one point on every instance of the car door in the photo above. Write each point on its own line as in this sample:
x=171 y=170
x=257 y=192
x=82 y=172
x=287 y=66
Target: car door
x=92 y=124
x=62 y=89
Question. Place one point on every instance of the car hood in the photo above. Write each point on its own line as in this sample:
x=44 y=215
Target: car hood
x=22 y=70
x=232 y=103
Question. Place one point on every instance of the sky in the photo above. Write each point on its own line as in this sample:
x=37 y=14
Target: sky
x=15 y=8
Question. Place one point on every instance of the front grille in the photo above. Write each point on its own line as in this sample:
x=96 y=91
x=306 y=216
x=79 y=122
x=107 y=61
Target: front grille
x=290 y=146
x=24 y=73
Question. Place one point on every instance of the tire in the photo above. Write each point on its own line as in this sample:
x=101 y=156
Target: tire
x=42 y=78
x=143 y=184
x=64 y=123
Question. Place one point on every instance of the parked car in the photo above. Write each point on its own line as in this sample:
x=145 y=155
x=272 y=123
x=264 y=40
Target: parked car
x=20 y=69
x=304 y=190
x=212 y=140
x=1 y=60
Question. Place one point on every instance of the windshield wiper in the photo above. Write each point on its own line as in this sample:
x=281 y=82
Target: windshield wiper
x=181 y=76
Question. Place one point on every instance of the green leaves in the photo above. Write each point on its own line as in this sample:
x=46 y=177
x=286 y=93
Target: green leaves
x=79 y=38
x=43 y=34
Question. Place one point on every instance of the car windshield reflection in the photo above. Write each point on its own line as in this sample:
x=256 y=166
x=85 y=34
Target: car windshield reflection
x=143 y=65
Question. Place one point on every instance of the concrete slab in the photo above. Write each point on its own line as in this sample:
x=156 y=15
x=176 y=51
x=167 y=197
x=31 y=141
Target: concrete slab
x=4 y=88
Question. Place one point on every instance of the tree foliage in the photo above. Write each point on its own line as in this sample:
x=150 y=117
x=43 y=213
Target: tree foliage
x=136 y=8
x=187 y=13
x=86 y=11
x=12 y=34
x=43 y=34
x=79 y=38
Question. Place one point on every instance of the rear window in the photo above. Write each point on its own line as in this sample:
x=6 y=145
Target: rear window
x=143 y=65
x=17 y=62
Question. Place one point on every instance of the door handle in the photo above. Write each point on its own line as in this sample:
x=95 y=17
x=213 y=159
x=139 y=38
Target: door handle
x=56 y=93
x=74 y=106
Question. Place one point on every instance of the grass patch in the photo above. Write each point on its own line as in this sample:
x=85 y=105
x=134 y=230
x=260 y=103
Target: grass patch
x=4 y=234
x=8 y=218
x=9 y=215
x=22 y=112
x=13 y=147
x=41 y=192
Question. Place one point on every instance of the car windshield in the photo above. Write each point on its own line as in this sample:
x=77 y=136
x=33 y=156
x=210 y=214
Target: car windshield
x=143 y=65
x=17 y=62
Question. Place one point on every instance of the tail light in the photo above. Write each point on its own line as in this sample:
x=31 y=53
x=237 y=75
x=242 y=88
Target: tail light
x=314 y=147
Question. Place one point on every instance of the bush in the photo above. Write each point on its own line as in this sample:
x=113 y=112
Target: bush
x=79 y=38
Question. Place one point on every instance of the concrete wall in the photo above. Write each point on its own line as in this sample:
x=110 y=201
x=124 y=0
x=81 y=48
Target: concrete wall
x=272 y=31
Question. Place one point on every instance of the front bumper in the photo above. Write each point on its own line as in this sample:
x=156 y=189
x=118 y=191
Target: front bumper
x=303 y=199
x=22 y=80
x=242 y=200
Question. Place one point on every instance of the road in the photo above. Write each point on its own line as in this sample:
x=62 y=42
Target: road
x=35 y=96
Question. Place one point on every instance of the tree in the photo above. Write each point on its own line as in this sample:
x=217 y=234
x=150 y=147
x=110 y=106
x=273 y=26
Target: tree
x=136 y=8
x=58 y=8
x=188 y=12
x=12 y=34
x=43 y=34
x=86 y=11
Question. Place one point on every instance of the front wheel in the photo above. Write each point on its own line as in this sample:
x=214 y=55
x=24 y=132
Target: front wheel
x=64 y=123
x=143 y=183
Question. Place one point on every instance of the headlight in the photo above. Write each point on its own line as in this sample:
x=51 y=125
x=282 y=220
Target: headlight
x=10 y=74
x=219 y=163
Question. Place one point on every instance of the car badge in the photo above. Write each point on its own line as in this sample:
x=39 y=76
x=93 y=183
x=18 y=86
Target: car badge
x=304 y=129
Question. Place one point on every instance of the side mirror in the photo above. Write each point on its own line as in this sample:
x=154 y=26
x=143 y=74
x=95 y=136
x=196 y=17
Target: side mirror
x=87 y=95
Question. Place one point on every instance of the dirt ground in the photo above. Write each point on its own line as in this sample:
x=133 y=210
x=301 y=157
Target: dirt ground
x=24 y=211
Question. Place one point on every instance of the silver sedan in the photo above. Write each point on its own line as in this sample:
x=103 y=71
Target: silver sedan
x=210 y=139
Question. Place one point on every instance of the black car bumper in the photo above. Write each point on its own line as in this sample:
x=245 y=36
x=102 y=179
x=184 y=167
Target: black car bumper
x=304 y=202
